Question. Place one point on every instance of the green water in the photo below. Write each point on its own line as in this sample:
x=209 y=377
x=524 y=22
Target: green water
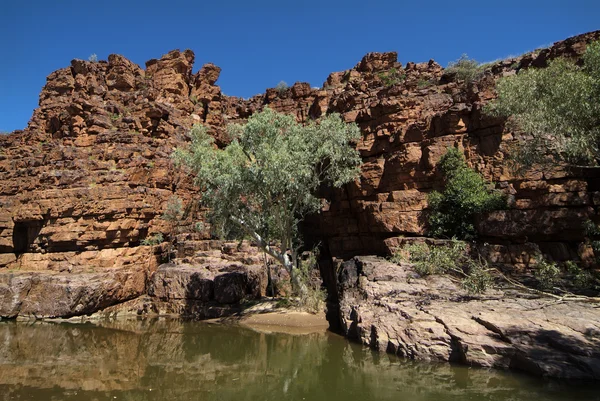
x=172 y=360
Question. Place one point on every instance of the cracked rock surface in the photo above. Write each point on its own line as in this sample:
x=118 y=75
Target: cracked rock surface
x=390 y=308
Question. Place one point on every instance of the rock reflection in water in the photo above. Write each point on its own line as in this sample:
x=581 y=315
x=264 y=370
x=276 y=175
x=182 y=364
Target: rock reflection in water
x=173 y=360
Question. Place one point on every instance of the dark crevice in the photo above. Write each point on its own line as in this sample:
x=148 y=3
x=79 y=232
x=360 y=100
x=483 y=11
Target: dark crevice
x=24 y=234
x=458 y=351
x=489 y=326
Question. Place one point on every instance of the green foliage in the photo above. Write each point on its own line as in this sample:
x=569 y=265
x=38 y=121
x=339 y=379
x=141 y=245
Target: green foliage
x=313 y=299
x=155 y=239
x=592 y=233
x=264 y=182
x=465 y=69
x=452 y=258
x=551 y=276
x=284 y=303
x=173 y=210
x=424 y=83
x=558 y=107
x=115 y=117
x=391 y=77
x=580 y=278
x=93 y=58
x=466 y=195
x=547 y=273
x=282 y=87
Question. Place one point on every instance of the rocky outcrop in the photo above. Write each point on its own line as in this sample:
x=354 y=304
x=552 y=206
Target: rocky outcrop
x=86 y=182
x=210 y=283
x=210 y=279
x=392 y=309
x=408 y=126
x=50 y=295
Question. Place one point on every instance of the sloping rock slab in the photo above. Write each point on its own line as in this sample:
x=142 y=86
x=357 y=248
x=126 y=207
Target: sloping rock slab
x=48 y=295
x=391 y=308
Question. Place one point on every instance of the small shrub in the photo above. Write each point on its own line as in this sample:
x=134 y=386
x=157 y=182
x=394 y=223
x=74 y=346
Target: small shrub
x=391 y=77
x=199 y=227
x=284 y=303
x=478 y=279
x=547 y=273
x=313 y=300
x=424 y=83
x=155 y=239
x=194 y=99
x=465 y=69
x=581 y=278
x=592 y=233
x=115 y=117
x=282 y=87
x=93 y=58
x=452 y=258
x=466 y=195
x=173 y=210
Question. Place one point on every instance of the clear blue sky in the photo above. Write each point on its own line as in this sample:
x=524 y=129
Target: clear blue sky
x=259 y=43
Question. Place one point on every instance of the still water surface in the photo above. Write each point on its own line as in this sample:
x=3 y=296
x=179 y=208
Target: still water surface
x=173 y=360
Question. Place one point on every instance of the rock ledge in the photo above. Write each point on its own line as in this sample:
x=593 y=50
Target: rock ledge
x=392 y=309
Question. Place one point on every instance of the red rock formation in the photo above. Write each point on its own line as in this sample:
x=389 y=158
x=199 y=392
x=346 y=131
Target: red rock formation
x=88 y=179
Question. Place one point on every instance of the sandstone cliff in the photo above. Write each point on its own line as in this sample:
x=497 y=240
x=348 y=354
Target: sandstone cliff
x=86 y=182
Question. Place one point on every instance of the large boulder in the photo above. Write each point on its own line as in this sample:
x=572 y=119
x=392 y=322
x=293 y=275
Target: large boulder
x=50 y=295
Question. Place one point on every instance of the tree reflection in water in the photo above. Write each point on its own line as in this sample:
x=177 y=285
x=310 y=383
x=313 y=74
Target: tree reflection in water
x=174 y=360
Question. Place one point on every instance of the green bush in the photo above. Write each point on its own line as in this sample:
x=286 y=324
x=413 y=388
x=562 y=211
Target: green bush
x=173 y=212
x=312 y=300
x=452 y=258
x=282 y=87
x=465 y=69
x=391 y=77
x=580 y=278
x=547 y=273
x=155 y=239
x=466 y=195
x=425 y=83
x=592 y=233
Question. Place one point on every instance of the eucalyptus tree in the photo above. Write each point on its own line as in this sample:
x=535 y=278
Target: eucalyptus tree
x=264 y=183
x=558 y=107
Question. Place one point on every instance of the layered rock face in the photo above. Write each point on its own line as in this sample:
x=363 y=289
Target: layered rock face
x=87 y=181
x=407 y=127
x=392 y=309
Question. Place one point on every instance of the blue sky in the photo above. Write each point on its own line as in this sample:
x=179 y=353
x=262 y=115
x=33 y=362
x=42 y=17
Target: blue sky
x=259 y=43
